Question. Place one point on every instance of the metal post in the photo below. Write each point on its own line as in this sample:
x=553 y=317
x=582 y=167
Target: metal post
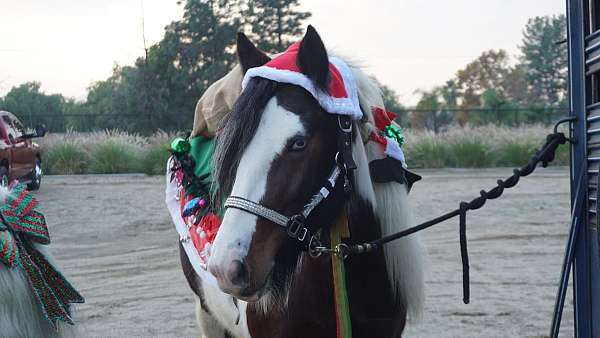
x=586 y=268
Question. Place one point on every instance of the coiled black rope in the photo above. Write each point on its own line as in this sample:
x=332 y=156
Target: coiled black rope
x=544 y=156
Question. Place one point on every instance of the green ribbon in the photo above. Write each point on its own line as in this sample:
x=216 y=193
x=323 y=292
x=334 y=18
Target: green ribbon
x=180 y=145
x=22 y=226
x=394 y=132
x=340 y=292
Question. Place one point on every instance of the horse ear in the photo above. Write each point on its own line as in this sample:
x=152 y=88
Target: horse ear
x=313 y=60
x=248 y=54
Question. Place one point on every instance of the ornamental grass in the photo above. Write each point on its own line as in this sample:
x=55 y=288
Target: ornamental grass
x=114 y=151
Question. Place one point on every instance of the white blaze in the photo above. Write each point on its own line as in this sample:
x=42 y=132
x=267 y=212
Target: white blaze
x=277 y=125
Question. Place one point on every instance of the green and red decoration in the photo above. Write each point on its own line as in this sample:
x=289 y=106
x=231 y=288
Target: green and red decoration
x=388 y=134
x=23 y=226
x=192 y=170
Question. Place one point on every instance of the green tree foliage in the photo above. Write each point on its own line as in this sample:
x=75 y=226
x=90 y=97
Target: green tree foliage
x=27 y=102
x=431 y=111
x=544 y=60
x=536 y=82
x=274 y=23
x=161 y=89
x=392 y=103
x=488 y=71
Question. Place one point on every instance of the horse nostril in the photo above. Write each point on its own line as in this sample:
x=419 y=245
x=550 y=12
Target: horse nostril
x=237 y=273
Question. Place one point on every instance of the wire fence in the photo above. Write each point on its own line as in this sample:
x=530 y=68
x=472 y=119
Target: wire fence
x=419 y=119
x=441 y=119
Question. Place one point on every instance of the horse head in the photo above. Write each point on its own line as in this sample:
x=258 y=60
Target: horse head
x=276 y=148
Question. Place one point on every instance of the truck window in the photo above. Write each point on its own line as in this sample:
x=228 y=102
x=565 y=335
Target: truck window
x=12 y=132
x=19 y=129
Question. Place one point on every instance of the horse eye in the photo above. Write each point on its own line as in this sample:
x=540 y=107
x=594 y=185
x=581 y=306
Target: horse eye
x=299 y=144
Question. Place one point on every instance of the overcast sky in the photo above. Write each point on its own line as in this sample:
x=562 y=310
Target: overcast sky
x=407 y=44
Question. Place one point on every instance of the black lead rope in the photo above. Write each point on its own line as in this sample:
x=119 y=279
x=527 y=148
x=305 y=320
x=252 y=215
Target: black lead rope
x=543 y=156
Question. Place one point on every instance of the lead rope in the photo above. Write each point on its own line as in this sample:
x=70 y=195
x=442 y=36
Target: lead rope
x=340 y=292
x=544 y=156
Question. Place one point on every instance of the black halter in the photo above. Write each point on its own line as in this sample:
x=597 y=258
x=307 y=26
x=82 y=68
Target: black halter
x=295 y=226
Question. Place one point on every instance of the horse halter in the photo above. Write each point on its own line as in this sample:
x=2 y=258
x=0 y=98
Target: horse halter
x=295 y=226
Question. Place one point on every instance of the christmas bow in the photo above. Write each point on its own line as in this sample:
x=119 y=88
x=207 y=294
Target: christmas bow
x=388 y=134
x=22 y=226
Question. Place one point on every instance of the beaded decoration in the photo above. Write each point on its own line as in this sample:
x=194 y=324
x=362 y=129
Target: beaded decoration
x=194 y=197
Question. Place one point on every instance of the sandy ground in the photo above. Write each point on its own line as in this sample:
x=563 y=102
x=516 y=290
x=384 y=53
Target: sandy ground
x=113 y=237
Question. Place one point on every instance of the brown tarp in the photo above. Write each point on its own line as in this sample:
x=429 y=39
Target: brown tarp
x=216 y=102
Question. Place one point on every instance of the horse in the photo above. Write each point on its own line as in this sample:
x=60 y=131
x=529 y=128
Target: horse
x=276 y=148
x=21 y=315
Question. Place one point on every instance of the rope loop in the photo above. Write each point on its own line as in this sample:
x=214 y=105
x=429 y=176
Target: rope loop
x=544 y=156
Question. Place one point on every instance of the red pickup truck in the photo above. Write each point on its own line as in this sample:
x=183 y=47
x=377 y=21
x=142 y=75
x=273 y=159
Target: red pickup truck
x=20 y=157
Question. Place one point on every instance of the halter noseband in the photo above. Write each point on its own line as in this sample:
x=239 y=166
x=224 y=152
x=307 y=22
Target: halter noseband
x=295 y=226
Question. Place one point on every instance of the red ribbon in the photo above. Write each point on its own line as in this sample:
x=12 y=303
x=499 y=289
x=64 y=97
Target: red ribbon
x=382 y=118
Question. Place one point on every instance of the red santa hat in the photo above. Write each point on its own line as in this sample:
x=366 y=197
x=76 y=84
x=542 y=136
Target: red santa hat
x=342 y=95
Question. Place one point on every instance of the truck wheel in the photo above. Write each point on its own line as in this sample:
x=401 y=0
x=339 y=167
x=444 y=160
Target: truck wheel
x=36 y=176
x=4 y=177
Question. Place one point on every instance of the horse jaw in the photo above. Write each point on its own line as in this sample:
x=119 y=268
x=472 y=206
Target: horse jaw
x=235 y=235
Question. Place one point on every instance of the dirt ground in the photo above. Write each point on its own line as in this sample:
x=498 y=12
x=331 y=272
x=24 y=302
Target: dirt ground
x=113 y=237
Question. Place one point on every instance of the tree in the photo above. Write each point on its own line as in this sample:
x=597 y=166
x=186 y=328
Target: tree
x=544 y=60
x=161 y=89
x=32 y=106
x=391 y=103
x=274 y=23
x=426 y=110
x=488 y=71
x=514 y=85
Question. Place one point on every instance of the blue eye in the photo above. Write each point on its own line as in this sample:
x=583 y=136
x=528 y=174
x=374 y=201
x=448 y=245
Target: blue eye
x=299 y=144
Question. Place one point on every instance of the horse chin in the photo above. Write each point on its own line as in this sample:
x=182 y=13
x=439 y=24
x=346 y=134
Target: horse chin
x=255 y=295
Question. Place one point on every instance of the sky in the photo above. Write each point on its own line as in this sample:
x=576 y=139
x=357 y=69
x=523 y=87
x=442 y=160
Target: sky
x=407 y=44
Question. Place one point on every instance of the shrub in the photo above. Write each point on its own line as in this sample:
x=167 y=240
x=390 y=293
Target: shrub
x=155 y=159
x=114 y=151
x=427 y=152
x=515 y=153
x=470 y=152
x=114 y=156
x=65 y=158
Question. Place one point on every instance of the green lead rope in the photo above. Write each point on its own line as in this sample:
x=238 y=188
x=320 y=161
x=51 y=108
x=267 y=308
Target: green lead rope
x=342 y=308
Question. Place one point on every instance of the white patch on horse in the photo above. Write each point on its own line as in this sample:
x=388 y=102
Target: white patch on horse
x=277 y=125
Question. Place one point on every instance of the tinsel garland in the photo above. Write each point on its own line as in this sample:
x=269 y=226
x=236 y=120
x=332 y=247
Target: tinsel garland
x=184 y=163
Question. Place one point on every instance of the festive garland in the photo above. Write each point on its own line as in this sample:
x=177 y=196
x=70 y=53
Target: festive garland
x=184 y=163
x=196 y=207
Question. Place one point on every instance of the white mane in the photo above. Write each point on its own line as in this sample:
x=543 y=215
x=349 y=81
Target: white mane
x=20 y=315
x=404 y=257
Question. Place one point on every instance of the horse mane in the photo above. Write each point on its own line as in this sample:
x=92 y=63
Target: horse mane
x=404 y=257
x=236 y=132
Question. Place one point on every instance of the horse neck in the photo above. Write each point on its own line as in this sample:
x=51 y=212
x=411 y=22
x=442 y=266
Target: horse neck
x=310 y=308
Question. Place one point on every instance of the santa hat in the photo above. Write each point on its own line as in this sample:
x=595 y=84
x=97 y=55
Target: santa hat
x=342 y=95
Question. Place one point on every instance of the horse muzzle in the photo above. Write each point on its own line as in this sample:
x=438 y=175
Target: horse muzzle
x=234 y=278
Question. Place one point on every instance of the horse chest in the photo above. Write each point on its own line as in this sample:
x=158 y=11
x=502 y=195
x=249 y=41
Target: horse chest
x=311 y=313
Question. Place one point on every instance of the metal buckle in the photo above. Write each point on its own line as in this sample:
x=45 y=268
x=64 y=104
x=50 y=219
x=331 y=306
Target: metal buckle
x=302 y=235
x=345 y=124
x=295 y=228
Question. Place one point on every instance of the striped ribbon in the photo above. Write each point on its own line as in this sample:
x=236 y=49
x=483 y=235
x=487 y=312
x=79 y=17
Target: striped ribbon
x=342 y=308
x=22 y=226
